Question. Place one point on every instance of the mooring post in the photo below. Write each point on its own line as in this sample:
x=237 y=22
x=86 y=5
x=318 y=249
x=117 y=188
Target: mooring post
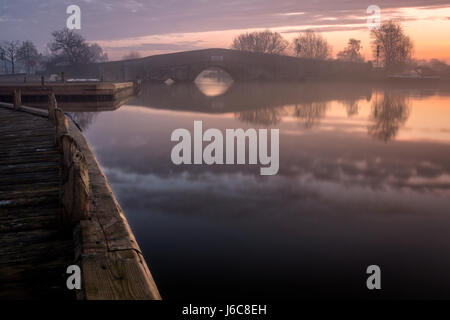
x=17 y=98
x=51 y=106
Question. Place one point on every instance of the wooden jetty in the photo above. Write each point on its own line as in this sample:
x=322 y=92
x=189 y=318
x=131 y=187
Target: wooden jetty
x=70 y=95
x=56 y=210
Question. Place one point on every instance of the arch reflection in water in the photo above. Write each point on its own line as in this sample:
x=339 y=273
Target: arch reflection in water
x=213 y=82
x=313 y=105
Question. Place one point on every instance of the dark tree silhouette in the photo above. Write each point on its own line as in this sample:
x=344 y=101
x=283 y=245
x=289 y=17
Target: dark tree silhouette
x=264 y=42
x=351 y=52
x=69 y=47
x=394 y=45
x=310 y=44
x=10 y=50
x=27 y=53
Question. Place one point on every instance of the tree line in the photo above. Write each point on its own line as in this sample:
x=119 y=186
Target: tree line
x=392 y=48
x=65 y=48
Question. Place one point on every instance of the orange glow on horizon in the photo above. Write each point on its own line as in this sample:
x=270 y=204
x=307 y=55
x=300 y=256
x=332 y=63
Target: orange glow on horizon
x=428 y=28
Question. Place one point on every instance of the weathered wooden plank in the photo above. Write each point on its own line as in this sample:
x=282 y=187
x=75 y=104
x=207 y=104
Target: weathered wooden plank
x=111 y=260
x=117 y=275
x=34 y=177
x=35 y=201
x=29 y=191
x=26 y=178
x=13 y=224
x=31 y=167
x=26 y=158
x=45 y=209
x=34 y=253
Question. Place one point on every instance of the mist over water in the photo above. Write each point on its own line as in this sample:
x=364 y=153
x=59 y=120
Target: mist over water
x=364 y=179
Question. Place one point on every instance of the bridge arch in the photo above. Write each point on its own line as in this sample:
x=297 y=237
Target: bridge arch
x=214 y=71
x=213 y=81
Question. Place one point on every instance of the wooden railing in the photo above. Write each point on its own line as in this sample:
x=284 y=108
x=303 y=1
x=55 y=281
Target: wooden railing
x=111 y=262
x=74 y=189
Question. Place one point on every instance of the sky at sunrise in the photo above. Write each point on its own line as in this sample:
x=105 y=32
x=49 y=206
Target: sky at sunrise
x=154 y=27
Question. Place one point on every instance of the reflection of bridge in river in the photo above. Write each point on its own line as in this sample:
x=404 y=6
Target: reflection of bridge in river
x=263 y=103
x=268 y=103
x=247 y=96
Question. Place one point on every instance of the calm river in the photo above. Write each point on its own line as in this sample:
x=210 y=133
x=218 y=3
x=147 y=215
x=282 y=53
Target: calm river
x=364 y=179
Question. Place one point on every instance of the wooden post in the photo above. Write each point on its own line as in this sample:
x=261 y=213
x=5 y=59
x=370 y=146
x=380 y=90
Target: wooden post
x=63 y=79
x=62 y=125
x=25 y=79
x=42 y=80
x=74 y=194
x=52 y=105
x=17 y=98
x=75 y=183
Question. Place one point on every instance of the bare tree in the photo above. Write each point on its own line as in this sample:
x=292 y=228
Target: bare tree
x=131 y=55
x=310 y=44
x=263 y=41
x=10 y=49
x=96 y=54
x=351 y=52
x=70 y=47
x=394 y=46
x=3 y=57
x=28 y=54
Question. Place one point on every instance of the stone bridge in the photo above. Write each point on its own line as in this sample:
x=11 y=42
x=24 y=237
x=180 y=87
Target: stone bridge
x=242 y=66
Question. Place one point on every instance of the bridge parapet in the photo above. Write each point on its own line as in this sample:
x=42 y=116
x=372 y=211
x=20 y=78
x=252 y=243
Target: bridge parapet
x=241 y=65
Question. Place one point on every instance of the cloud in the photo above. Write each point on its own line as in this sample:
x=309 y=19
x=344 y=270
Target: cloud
x=108 y=20
x=183 y=45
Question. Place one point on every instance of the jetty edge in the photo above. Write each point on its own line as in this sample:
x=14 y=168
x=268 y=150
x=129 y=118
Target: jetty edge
x=71 y=96
x=111 y=262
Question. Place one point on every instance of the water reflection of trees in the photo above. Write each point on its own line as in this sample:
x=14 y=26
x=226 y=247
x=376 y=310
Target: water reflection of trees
x=310 y=113
x=351 y=106
x=268 y=103
x=264 y=116
x=388 y=115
